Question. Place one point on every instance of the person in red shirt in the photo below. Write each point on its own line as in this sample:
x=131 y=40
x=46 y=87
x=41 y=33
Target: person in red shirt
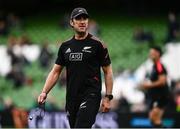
x=157 y=88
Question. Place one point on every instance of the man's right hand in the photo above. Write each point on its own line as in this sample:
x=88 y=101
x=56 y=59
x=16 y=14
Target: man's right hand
x=42 y=98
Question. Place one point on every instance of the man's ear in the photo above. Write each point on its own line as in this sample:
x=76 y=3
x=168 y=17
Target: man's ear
x=71 y=23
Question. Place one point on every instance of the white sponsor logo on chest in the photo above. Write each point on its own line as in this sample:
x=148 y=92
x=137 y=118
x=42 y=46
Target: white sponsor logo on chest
x=75 y=56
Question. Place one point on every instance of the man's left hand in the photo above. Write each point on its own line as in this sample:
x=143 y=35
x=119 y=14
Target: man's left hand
x=105 y=105
x=146 y=85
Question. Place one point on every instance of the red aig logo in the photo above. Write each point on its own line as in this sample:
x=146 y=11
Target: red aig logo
x=75 y=56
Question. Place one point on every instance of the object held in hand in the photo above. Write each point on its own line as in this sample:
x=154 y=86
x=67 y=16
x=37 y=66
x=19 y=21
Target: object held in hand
x=39 y=112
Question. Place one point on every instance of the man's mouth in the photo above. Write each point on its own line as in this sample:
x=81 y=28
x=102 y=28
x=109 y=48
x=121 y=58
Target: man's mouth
x=82 y=26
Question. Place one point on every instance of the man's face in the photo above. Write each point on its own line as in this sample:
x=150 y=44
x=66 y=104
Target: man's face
x=80 y=23
x=154 y=54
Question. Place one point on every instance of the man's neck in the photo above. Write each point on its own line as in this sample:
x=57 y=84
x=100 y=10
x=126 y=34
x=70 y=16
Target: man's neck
x=81 y=36
x=156 y=60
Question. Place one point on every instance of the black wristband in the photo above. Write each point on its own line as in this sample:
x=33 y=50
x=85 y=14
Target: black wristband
x=110 y=97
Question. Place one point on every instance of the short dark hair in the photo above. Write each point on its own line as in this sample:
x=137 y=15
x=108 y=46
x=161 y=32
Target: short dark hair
x=157 y=48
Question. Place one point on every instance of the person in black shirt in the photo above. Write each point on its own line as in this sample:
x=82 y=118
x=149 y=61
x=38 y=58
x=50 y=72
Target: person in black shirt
x=83 y=56
x=173 y=28
x=157 y=88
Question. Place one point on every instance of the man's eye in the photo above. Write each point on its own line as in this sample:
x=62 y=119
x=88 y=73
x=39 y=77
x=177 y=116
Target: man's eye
x=78 y=18
x=81 y=17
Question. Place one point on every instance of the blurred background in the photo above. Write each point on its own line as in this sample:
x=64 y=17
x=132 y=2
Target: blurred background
x=31 y=32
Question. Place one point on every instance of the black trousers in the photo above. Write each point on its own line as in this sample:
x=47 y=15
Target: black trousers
x=82 y=113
